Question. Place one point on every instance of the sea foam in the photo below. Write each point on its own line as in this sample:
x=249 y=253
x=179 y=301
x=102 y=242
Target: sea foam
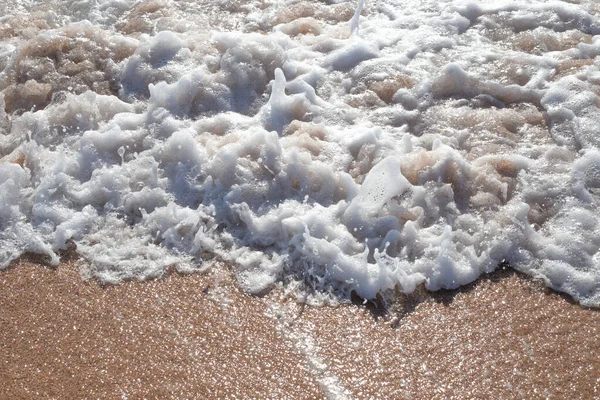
x=366 y=147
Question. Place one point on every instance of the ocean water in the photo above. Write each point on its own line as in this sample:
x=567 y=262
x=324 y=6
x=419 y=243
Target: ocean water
x=329 y=146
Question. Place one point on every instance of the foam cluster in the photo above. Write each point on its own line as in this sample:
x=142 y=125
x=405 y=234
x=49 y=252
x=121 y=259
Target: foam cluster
x=363 y=147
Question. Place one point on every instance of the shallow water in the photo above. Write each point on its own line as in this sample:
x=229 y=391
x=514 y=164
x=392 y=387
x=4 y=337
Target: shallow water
x=331 y=146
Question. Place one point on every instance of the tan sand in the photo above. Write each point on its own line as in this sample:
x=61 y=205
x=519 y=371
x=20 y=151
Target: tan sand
x=178 y=337
x=198 y=336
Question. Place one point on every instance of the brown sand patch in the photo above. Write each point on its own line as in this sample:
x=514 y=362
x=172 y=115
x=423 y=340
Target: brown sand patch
x=500 y=338
x=23 y=25
x=366 y=99
x=198 y=336
x=302 y=26
x=140 y=19
x=363 y=161
x=304 y=9
x=19 y=158
x=76 y=58
x=387 y=88
x=546 y=41
x=307 y=136
x=179 y=337
x=571 y=67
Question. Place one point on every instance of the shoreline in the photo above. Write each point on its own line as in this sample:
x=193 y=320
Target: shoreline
x=503 y=336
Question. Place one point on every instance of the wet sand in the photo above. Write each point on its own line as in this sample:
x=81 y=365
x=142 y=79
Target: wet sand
x=198 y=336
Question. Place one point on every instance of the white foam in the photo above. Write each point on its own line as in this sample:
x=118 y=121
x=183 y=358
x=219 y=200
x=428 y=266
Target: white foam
x=440 y=140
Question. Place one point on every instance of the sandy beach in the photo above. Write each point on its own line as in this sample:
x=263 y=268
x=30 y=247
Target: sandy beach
x=356 y=147
x=199 y=336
